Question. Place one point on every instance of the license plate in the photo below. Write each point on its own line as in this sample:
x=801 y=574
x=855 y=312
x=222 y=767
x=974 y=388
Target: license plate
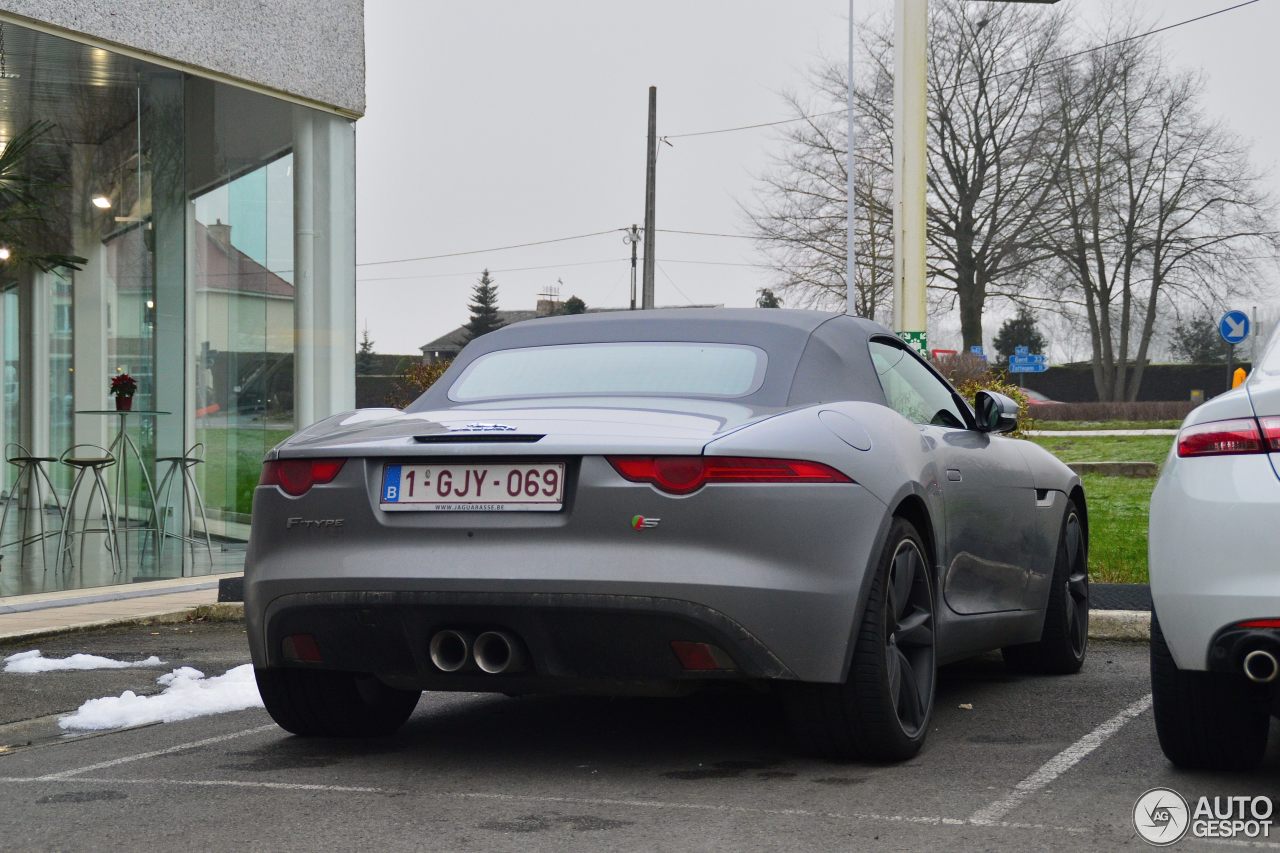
x=473 y=488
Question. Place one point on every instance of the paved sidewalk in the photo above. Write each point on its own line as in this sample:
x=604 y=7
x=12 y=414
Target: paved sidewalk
x=1098 y=433
x=74 y=610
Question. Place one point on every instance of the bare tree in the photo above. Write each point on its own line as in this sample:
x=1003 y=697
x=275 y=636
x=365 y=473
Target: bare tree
x=986 y=124
x=985 y=182
x=800 y=213
x=1153 y=203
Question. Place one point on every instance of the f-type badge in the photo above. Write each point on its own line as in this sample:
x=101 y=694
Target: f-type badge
x=639 y=522
x=483 y=428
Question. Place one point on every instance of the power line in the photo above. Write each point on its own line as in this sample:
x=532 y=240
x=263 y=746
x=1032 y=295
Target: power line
x=559 y=266
x=705 y=233
x=493 y=249
x=1032 y=67
x=478 y=272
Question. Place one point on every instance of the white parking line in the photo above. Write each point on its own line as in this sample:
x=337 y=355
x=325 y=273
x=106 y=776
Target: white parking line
x=923 y=820
x=201 y=783
x=142 y=756
x=1059 y=764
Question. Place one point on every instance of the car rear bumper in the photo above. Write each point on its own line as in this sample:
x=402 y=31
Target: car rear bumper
x=774 y=576
x=1214 y=550
x=564 y=639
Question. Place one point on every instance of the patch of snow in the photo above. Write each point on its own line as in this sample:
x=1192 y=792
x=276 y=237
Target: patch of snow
x=34 y=661
x=187 y=693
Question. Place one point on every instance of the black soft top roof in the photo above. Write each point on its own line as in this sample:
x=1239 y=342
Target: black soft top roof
x=814 y=356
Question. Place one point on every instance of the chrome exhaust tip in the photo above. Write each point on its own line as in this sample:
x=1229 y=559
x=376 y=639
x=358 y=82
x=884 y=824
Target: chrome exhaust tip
x=1261 y=667
x=497 y=652
x=450 y=650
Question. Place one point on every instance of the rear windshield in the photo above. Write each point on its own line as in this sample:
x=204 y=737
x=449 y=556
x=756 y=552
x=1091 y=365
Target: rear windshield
x=606 y=369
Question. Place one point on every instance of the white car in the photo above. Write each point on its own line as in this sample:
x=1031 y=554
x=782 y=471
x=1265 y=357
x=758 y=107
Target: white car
x=1215 y=578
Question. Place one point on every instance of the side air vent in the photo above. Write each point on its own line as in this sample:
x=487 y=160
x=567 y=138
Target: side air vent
x=478 y=438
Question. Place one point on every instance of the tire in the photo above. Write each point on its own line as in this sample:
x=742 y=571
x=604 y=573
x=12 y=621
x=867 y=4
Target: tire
x=323 y=703
x=1206 y=720
x=1064 y=641
x=882 y=710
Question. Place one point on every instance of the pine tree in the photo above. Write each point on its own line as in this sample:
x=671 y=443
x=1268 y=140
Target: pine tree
x=366 y=361
x=767 y=299
x=484 y=308
x=1019 y=331
x=1196 y=340
x=574 y=305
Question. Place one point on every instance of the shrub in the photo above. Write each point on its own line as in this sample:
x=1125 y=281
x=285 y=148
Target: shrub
x=1146 y=410
x=413 y=380
x=970 y=374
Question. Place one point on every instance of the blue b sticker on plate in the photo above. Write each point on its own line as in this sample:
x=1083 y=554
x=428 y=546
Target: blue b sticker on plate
x=391 y=484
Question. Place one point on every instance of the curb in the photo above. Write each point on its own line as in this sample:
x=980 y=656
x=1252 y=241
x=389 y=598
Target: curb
x=1125 y=625
x=202 y=613
x=1132 y=626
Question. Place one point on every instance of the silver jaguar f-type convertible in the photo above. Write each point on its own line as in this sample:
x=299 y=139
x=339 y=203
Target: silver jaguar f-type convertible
x=657 y=500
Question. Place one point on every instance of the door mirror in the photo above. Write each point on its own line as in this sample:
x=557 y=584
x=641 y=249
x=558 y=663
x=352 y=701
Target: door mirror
x=996 y=412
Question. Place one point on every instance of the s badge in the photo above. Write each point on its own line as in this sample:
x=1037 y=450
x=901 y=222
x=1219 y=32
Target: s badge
x=639 y=522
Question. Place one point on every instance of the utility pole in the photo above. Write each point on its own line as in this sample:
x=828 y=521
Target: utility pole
x=910 y=164
x=632 y=237
x=910 y=122
x=851 y=261
x=650 y=179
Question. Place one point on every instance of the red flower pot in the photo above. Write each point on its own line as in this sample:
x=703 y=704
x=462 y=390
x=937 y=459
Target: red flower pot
x=124 y=404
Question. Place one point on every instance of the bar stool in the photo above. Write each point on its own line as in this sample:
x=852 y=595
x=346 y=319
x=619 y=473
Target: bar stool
x=89 y=466
x=181 y=467
x=31 y=469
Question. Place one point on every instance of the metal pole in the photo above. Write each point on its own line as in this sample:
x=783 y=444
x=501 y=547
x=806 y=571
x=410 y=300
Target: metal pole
x=851 y=260
x=633 y=237
x=650 y=180
x=910 y=83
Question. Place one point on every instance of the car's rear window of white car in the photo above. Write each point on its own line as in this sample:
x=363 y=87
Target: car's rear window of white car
x=606 y=369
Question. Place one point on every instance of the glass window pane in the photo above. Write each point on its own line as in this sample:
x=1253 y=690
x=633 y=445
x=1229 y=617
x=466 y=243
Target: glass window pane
x=687 y=369
x=912 y=390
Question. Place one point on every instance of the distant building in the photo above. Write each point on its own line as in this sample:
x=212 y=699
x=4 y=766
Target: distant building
x=447 y=346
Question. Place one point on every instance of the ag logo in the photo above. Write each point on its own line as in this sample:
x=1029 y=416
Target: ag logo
x=639 y=522
x=1161 y=817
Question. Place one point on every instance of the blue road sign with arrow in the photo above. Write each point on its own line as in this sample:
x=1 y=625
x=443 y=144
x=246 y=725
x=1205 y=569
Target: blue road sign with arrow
x=1026 y=363
x=1234 y=327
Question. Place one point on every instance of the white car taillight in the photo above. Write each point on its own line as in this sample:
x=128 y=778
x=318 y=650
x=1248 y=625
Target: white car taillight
x=1225 y=438
x=1271 y=433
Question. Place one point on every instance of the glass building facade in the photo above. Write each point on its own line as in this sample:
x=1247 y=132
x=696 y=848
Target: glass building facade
x=215 y=231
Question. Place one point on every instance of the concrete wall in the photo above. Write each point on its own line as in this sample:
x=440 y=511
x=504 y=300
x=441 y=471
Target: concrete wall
x=311 y=50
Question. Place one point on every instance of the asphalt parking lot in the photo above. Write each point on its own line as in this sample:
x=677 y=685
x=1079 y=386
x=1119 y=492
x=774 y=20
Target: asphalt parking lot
x=1034 y=763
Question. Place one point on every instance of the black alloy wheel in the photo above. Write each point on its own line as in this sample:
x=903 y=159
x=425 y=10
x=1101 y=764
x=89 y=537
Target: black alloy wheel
x=908 y=647
x=1076 y=600
x=881 y=711
x=1064 y=640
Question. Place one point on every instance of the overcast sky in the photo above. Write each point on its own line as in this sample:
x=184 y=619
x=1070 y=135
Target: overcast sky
x=493 y=123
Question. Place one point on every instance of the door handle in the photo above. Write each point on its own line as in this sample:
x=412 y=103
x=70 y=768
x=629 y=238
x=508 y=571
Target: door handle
x=953 y=474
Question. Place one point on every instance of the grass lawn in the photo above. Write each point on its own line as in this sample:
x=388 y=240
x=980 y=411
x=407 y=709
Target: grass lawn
x=1118 y=506
x=1085 y=425
x=1118 y=448
x=1118 y=509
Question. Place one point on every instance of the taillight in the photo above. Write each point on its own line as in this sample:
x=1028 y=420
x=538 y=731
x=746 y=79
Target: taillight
x=1259 y=623
x=1221 y=438
x=296 y=476
x=1271 y=432
x=681 y=475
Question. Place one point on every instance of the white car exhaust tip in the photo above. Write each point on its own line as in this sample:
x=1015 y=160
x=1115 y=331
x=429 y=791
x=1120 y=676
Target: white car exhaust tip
x=450 y=650
x=497 y=652
x=1261 y=667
